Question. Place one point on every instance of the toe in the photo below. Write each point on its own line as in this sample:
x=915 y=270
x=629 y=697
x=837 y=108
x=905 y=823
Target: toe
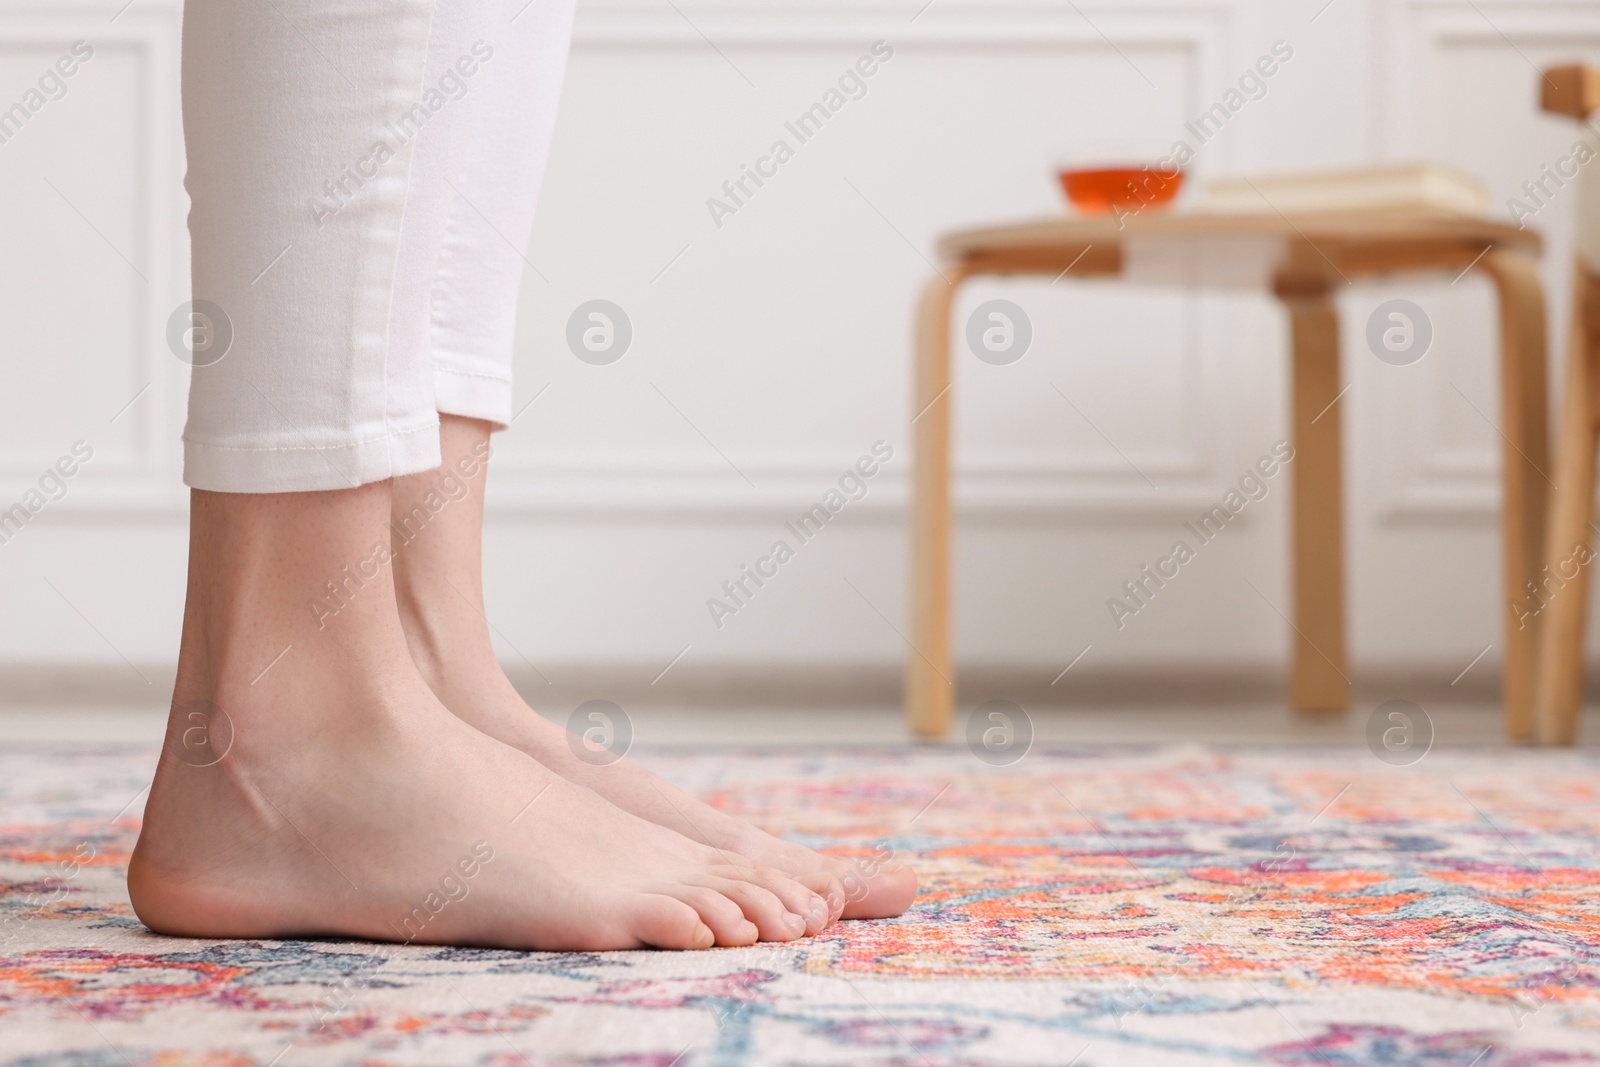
x=825 y=884
x=725 y=918
x=662 y=922
x=797 y=898
x=813 y=871
x=773 y=918
x=882 y=893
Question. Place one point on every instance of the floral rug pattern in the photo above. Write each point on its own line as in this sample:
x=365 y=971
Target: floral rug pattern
x=1087 y=906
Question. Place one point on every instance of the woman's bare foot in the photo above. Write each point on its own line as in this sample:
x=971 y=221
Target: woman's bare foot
x=311 y=784
x=438 y=521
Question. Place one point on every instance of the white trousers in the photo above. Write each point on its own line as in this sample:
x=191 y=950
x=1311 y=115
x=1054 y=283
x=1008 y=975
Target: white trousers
x=362 y=177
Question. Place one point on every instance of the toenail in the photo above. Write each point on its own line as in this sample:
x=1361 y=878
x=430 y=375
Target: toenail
x=703 y=937
x=794 y=922
x=835 y=902
x=818 y=912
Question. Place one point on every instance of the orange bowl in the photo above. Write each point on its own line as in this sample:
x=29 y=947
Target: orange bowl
x=1100 y=190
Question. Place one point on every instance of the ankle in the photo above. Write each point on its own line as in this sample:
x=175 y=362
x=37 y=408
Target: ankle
x=436 y=618
x=271 y=569
x=290 y=612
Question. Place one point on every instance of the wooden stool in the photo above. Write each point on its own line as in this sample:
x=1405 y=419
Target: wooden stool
x=1559 y=598
x=1303 y=260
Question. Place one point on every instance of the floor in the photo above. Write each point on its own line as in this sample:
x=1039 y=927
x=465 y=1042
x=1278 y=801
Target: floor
x=1251 y=890
x=1461 y=723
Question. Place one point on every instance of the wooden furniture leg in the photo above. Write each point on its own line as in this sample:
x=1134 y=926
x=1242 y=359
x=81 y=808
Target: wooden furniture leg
x=1525 y=433
x=1557 y=605
x=1319 y=678
x=930 y=674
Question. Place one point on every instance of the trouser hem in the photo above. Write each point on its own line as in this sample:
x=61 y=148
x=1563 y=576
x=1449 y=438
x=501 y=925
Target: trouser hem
x=301 y=468
x=472 y=395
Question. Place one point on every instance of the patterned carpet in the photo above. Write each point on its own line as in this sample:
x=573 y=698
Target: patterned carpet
x=1176 y=905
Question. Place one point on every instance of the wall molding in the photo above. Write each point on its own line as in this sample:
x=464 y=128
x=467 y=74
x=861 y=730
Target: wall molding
x=1430 y=485
x=792 y=685
x=150 y=32
x=988 y=483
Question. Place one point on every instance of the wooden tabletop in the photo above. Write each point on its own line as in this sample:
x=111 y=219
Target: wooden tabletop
x=1245 y=250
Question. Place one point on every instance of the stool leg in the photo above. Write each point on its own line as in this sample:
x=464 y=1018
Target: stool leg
x=1558 y=692
x=930 y=674
x=1525 y=461
x=1319 y=677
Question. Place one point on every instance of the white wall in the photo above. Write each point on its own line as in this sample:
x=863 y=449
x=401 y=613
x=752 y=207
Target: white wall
x=782 y=336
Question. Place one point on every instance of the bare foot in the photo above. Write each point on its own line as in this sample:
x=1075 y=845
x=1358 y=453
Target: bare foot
x=437 y=576
x=874 y=888
x=334 y=795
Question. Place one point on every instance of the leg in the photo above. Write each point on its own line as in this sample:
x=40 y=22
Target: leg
x=439 y=569
x=438 y=572
x=474 y=303
x=1319 y=677
x=930 y=672
x=318 y=235
x=1523 y=470
x=1558 y=691
x=311 y=783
